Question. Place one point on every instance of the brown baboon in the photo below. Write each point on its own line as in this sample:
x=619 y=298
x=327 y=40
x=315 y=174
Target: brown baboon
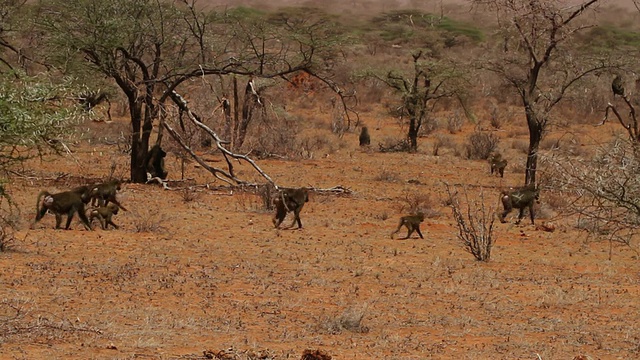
x=365 y=139
x=67 y=202
x=289 y=200
x=104 y=214
x=617 y=87
x=497 y=164
x=101 y=194
x=155 y=162
x=412 y=223
x=519 y=198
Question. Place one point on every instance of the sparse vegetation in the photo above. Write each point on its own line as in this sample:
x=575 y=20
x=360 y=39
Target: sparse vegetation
x=480 y=145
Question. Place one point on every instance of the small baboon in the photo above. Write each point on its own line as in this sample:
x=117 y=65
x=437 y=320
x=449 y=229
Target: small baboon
x=102 y=194
x=289 y=200
x=365 y=139
x=412 y=223
x=497 y=164
x=67 y=202
x=519 y=198
x=155 y=162
x=617 y=87
x=104 y=214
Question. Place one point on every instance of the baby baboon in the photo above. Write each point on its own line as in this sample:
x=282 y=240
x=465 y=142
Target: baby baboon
x=497 y=164
x=289 y=200
x=520 y=198
x=67 y=202
x=155 y=162
x=412 y=222
x=102 y=194
x=104 y=215
x=364 y=138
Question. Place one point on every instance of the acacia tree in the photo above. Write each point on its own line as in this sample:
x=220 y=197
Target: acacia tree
x=150 y=48
x=431 y=80
x=536 y=58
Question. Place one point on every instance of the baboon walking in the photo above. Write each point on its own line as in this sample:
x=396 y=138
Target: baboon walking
x=68 y=202
x=412 y=223
x=104 y=214
x=520 y=198
x=289 y=200
x=102 y=194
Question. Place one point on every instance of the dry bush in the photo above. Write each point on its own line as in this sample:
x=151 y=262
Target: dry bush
x=480 y=145
x=149 y=220
x=495 y=120
x=442 y=141
x=190 y=194
x=475 y=224
x=276 y=136
x=309 y=145
x=520 y=145
x=7 y=240
x=429 y=125
x=455 y=122
x=387 y=176
x=412 y=202
x=394 y=145
x=350 y=320
x=604 y=189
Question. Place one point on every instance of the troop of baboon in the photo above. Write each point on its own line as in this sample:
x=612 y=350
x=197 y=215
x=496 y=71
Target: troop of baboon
x=101 y=196
x=104 y=204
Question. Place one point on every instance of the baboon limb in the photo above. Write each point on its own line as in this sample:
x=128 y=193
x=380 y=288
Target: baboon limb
x=102 y=194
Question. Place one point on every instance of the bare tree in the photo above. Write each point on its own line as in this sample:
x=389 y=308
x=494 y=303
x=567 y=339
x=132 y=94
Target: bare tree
x=151 y=48
x=537 y=59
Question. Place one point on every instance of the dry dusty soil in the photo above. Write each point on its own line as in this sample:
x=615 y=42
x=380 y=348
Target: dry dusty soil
x=202 y=273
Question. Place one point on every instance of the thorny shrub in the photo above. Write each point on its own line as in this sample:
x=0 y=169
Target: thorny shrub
x=475 y=223
x=480 y=145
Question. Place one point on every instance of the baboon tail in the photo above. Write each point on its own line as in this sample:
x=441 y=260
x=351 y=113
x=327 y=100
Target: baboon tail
x=40 y=195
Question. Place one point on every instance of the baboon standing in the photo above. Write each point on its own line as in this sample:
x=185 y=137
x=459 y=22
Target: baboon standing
x=412 y=223
x=289 y=200
x=67 y=202
x=520 y=198
x=617 y=87
x=497 y=164
x=365 y=139
x=154 y=162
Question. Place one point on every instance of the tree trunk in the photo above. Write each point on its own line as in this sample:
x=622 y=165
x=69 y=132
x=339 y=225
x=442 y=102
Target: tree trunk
x=138 y=150
x=536 y=128
x=413 y=134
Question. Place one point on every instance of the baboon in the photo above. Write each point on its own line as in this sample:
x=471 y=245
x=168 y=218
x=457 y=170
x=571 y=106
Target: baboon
x=365 y=139
x=67 y=202
x=617 y=86
x=155 y=162
x=104 y=214
x=102 y=194
x=412 y=223
x=289 y=200
x=519 y=198
x=497 y=164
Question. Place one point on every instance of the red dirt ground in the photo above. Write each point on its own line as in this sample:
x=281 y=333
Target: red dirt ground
x=188 y=279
